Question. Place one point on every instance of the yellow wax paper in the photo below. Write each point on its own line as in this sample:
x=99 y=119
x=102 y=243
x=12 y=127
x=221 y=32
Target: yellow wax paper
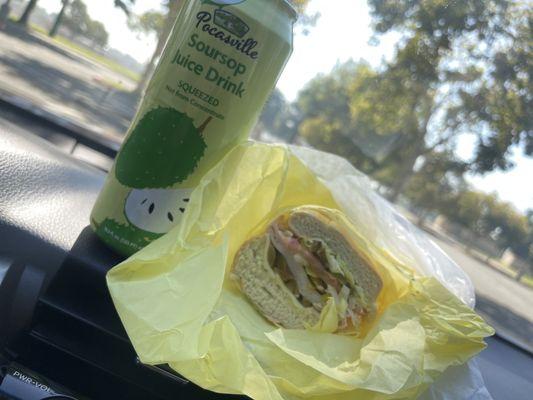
x=179 y=306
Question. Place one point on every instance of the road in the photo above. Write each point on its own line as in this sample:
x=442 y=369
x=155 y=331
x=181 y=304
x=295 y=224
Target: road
x=504 y=303
x=65 y=83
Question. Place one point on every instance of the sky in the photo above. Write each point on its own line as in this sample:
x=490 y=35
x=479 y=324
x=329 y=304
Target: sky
x=343 y=32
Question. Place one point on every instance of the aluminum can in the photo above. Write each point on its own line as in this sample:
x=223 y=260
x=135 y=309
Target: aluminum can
x=220 y=63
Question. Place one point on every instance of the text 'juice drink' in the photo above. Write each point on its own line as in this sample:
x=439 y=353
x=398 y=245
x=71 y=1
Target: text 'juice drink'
x=218 y=68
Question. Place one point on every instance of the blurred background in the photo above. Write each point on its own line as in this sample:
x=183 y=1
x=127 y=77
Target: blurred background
x=432 y=99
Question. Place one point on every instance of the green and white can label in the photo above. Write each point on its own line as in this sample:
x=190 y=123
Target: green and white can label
x=218 y=68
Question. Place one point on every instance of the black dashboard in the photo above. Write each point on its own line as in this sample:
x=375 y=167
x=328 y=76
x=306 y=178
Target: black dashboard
x=57 y=318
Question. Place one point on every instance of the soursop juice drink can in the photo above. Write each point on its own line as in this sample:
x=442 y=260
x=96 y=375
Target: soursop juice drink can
x=218 y=68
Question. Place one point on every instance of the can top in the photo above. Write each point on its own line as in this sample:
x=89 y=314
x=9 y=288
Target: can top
x=290 y=9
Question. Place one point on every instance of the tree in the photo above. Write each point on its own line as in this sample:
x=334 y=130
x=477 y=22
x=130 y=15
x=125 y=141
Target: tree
x=123 y=5
x=150 y=22
x=338 y=116
x=97 y=33
x=505 y=225
x=153 y=22
x=435 y=184
x=461 y=68
x=499 y=109
x=469 y=210
x=77 y=19
x=25 y=17
x=488 y=216
x=5 y=9
x=59 y=18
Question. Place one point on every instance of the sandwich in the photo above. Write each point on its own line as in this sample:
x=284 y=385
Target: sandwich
x=304 y=259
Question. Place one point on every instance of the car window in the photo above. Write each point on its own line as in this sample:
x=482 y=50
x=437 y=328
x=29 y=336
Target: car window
x=431 y=99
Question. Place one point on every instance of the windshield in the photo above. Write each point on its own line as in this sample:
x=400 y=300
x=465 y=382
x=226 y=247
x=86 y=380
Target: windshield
x=430 y=99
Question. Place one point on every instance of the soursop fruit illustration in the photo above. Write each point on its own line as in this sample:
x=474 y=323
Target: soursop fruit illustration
x=156 y=210
x=163 y=149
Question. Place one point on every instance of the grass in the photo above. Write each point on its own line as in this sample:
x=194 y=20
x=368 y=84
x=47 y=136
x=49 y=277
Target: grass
x=90 y=54
x=526 y=279
x=112 y=65
x=511 y=272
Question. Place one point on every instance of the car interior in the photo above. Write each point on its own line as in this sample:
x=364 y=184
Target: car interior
x=61 y=323
x=60 y=334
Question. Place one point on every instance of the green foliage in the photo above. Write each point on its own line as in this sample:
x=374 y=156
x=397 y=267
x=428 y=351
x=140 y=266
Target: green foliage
x=438 y=186
x=77 y=18
x=368 y=117
x=150 y=22
x=354 y=104
x=506 y=225
x=25 y=17
x=164 y=148
x=79 y=23
x=97 y=33
x=479 y=51
x=488 y=216
x=434 y=185
x=459 y=68
x=74 y=15
x=469 y=210
x=502 y=105
x=327 y=115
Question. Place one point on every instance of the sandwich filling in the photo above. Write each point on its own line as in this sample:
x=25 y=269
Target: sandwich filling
x=314 y=273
